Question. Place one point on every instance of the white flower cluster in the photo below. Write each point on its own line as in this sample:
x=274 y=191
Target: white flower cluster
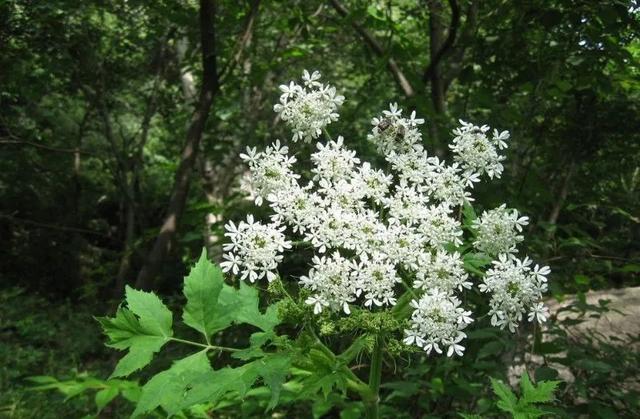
x=497 y=230
x=516 y=289
x=373 y=231
x=268 y=170
x=438 y=320
x=308 y=109
x=255 y=249
x=392 y=132
x=476 y=152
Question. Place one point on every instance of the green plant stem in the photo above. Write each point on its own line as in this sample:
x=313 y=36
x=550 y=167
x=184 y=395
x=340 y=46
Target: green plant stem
x=353 y=381
x=409 y=289
x=375 y=376
x=206 y=346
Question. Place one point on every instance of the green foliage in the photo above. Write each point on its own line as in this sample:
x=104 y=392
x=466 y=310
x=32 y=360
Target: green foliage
x=105 y=390
x=143 y=335
x=527 y=405
x=202 y=287
x=56 y=341
x=145 y=326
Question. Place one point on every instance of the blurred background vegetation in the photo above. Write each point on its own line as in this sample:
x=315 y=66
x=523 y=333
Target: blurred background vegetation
x=121 y=121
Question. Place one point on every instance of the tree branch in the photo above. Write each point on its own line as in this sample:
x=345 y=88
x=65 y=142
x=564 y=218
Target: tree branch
x=52 y=226
x=373 y=43
x=430 y=71
x=46 y=147
x=457 y=52
x=242 y=42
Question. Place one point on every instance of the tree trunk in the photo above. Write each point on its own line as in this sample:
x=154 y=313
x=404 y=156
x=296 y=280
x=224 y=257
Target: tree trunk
x=179 y=193
x=562 y=197
x=436 y=40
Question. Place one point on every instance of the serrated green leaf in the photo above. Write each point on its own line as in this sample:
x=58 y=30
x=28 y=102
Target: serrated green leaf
x=528 y=412
x=508 y=401
x=241 y=306
x=211 y=306
x=168 y=389
x=202 y=288
x=140 y=354
x=274 y=369
x=541 y=393
x=153 y=315
x=191 y=381
x=255 y=349
x=125 y=331
x=526 y=386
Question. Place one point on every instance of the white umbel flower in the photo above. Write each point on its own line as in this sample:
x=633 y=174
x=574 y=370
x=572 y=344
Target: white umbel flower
x=375 y=279
x=476 y=152
x=330 y=283
x=443 y=271
x=296 y=206
x=391 y=132
x=371 y=229
x=439 y=227
x=255 y=249
x=437 y=323
x=450 y=184
x=497 y=230
x=270 y=171
x=333 y=161
x=308 y=110
x=516 y=289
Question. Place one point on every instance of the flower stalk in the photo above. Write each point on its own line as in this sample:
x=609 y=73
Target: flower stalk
x=375 y=377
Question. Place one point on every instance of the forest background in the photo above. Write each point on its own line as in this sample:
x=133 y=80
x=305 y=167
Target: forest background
x=121 y=124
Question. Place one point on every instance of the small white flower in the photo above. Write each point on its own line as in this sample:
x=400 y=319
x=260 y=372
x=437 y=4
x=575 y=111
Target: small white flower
x=231 y=263
x=539 y=312
x=393 y=110
x=443 y=271
x=311 y=80
x=413 y=121
x=318 y=304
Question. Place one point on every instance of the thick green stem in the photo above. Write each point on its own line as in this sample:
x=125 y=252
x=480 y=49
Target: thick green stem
x=375 y=376
x=354 y=383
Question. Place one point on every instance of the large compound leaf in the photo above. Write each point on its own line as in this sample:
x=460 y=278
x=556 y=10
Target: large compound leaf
x=145 y=325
